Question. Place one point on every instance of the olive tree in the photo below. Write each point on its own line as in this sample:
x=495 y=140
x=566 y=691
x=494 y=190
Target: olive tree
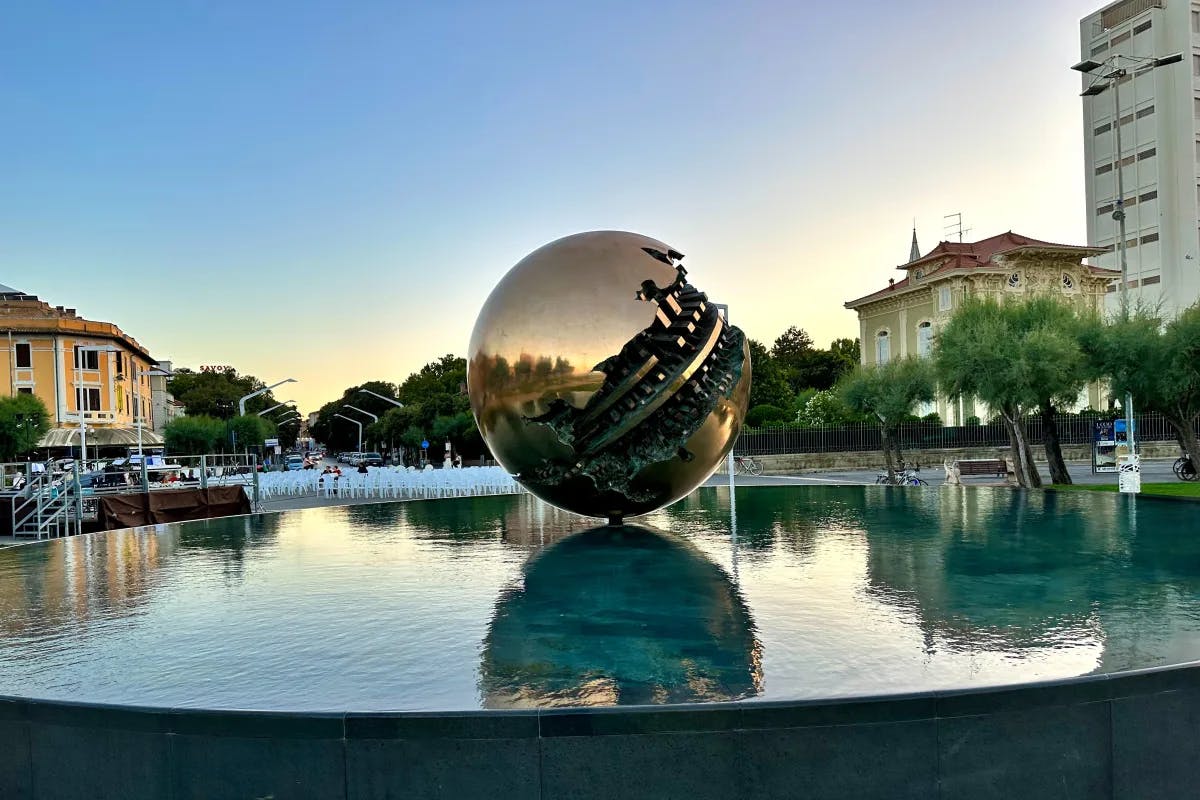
x=888 y=393
x=981 y=353
x=1157 y=363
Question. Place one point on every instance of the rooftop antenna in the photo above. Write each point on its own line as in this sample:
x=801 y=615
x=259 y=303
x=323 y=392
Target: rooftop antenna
x=956 y=226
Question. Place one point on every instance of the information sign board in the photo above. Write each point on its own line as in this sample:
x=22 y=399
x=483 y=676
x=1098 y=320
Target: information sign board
x=1104 y=446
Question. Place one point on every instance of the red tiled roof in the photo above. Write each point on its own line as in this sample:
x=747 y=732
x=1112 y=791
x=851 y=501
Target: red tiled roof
x=949 y=256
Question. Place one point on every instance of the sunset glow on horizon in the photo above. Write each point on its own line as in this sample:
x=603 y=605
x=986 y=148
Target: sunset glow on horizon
x=330 y=192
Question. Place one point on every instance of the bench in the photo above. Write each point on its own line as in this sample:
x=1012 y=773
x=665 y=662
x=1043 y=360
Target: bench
x=983 y=466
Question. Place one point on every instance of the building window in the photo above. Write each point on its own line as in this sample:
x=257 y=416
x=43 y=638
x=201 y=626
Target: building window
x=1196 y=65
x=1068 y=283
x=1196 y=106
x=1149 y=152
x=1150 y=195
x=1104 y=209
x=1014 y=280
x=1103 y=168
x=944 y=299
x=1145 y=26
x=883 y=349
x=1128 y=118
x=1149 y=237
x=24 y=390
x=120 y=364
x=87 y=399
x=86 y=359
x=924 y=339
x=1100 y=48
x=1153 y=279
x=918 y=273
x=1106 y=127
x=24 y=355
x=1196 y=22
x=1119 y=38
x=1144 y=112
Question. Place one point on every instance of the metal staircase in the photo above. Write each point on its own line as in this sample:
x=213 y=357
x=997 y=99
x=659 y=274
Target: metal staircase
x=43 y=510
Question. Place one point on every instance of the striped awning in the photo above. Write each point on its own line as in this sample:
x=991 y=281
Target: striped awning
x=100 y=437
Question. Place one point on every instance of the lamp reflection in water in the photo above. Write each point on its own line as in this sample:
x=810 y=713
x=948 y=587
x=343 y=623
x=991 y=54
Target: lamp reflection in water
x=622 y=615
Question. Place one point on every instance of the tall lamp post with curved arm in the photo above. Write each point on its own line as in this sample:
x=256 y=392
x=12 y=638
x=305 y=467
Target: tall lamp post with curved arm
x=360 y=428
x=374 y=418
x=242 y=401
x=1109 y=74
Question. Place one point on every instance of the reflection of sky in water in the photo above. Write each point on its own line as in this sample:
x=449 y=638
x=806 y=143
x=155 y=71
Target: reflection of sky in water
x=449 y=604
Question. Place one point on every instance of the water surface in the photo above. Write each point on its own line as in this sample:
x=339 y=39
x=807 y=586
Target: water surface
x=506 y=603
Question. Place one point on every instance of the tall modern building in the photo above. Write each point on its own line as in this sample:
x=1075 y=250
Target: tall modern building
x=1159 y=121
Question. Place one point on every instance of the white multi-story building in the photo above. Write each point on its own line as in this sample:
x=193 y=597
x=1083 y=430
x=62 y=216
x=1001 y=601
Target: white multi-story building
x=1160 y=159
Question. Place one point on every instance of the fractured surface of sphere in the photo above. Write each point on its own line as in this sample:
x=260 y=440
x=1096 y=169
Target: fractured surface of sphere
x=603 y=379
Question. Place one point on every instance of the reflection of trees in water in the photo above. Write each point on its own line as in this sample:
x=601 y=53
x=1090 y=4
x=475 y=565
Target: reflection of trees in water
x=226 y=539
x=1029 y=569
x=771 y=518
x=45 y=588
x=615 y=616
x=518 y=520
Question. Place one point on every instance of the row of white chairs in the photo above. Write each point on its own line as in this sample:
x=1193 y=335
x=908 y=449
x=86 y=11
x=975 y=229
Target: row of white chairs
x=400 y=483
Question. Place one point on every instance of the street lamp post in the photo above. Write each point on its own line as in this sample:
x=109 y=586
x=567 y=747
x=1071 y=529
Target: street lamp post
x=360 y=428
x=264 y=412
x=396 y=403
x=1112 y=72
x=139 y=418
x=242 y=402
x=374 y=418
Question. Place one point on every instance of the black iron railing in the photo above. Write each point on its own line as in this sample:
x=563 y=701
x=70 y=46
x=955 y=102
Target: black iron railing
x=927 y=435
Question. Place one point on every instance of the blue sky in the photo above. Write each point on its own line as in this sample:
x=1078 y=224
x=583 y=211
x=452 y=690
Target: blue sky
x=329 y=191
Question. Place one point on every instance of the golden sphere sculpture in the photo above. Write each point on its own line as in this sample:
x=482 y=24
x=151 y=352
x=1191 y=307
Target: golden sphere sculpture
x=602 y=380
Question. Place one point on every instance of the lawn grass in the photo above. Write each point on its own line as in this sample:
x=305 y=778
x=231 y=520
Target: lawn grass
x=1174 y=489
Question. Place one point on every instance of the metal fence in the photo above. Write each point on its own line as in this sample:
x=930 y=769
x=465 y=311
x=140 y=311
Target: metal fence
x=927 y=435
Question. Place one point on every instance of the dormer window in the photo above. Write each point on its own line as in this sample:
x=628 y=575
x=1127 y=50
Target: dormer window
x=1014 y=280
x=1068 y=283
x=918 y=273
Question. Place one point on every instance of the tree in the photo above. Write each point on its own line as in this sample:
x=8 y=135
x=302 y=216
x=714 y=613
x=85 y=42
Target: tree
x=792 y=346
x=770 y=386
x=436 y=407
x=194 y=435
x=986 y=351
x=823 y=408
x=1159 y=365
x=1055 y=368
x=888 y=393
x=249 y=431
x=216 y=393
x=24 y=420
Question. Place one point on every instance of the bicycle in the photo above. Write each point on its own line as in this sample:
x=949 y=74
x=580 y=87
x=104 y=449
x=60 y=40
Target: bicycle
x=745 y=465
x=1184 y=468
x=903 y=477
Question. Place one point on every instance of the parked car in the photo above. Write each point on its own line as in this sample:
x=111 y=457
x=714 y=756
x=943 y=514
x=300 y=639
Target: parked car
x=370 y=459
x=294 y=463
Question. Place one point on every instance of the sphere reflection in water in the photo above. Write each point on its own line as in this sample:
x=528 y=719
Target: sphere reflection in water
x=617 y=616
x=602 y=379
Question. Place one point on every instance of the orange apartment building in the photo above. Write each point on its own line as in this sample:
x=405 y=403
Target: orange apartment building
x=79 y=368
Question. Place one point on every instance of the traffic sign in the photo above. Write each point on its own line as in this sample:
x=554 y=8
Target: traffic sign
x=424 y=444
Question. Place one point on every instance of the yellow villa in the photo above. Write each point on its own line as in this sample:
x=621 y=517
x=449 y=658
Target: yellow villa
x=903 y=318
x=81 y=369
